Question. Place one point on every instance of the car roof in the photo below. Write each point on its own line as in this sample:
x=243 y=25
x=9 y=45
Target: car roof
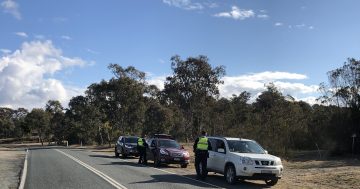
x=230 y=138
x=130 y=136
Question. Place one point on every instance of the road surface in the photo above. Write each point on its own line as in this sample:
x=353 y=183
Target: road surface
x=80 y=168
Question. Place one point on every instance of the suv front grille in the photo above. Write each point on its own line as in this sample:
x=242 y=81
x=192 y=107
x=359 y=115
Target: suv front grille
x=264 y=162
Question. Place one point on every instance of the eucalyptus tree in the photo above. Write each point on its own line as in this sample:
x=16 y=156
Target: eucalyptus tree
x=39 y=120
x=191 y=87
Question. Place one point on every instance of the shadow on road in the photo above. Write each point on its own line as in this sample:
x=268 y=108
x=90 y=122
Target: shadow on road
x=125 y=163
x=215 y=180
x=102 y=156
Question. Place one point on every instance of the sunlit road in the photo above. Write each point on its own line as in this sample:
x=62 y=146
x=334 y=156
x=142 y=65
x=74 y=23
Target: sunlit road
x=77 y=168
x=58 y=167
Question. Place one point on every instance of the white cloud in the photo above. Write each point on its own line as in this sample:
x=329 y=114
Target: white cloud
x=311 y=27
x=263 y=16
x=5 y=51
x=11 y=7
x=185 y=4
x=158 y=81
x=300 y=25
x=66 y=37
x=278 y=24
x=26 y=76
x=92 y=51
x=21 y=34
x=236 y=13
x=257 y=82
x=39 y=37
x=162 y=61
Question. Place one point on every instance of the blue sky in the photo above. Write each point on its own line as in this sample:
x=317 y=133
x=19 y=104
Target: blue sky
x=63 y=46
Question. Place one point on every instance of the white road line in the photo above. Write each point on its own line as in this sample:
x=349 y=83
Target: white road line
x=97 y=172
x=24 y=172
x=206 y=183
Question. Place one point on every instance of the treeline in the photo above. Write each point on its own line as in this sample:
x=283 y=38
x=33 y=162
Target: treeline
x=127 y=105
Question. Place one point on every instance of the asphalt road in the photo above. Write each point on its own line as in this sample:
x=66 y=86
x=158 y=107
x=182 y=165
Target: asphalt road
x=81 y=168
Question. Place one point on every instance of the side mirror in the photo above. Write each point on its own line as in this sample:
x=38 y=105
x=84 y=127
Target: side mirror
x=221 y=150
x=152 y=145
x=266 y=152
x=182 y=147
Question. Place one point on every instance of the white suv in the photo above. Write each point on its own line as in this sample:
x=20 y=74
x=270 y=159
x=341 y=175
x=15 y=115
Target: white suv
x=243 y=159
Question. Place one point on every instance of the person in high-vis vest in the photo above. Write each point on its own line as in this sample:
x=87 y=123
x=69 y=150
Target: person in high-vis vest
x=141 y=146
x=201 y=147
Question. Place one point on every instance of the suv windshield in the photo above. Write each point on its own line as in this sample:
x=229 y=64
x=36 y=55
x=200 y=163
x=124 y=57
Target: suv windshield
x=245 y=147
x=131 y=140
x=169 y=144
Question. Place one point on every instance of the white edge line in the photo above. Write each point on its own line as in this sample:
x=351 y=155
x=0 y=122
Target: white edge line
x=97 y=172
x=24 y=172
x=213 y=185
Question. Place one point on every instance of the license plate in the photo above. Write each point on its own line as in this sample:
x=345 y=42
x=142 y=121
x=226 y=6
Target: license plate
x=176 y=159
x=266 y=171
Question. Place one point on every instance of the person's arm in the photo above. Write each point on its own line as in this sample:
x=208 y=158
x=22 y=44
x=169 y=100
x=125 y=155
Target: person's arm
x=195 y=144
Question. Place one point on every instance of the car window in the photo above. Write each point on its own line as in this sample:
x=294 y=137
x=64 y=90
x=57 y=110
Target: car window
x=131 y=140
x=245 y=147
x=153 y=143
x=168 y=144
x=213 y=144
x=122 y=139
x=219 y=144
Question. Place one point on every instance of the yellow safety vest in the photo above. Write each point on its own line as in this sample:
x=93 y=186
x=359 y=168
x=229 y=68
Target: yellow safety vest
x=202 y=143
x=140 y=142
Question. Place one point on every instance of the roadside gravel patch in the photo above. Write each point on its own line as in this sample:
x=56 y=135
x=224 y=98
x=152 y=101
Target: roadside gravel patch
x=11 y=164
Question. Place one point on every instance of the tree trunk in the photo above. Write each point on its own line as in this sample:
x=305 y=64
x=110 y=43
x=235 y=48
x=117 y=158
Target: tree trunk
x=101 y=137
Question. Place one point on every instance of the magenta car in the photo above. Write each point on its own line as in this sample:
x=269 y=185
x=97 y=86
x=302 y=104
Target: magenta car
x=167 y=151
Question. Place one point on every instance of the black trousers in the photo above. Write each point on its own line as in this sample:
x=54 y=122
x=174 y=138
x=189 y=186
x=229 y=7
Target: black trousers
x=142 y=155
x=201 y=158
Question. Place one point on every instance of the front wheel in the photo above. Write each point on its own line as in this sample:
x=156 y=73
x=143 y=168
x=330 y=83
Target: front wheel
x=230 y=174
x=271 y=182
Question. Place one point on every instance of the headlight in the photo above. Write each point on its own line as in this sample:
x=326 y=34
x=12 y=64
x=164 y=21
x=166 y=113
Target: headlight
x=278 y=162
x=163 y=152
x=128 y=146
x=247 y=161
x=186 y=154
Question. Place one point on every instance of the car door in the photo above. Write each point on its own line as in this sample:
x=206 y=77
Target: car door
x=218 y=158
x=210 y=161
x=150 y=149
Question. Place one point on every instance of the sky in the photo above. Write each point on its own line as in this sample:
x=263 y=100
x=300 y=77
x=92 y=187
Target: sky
x=53 y=50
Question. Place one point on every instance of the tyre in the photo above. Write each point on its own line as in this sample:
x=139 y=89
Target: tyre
x=116 y=153
x=230 y=174
x=183 y=165
x=271 y=182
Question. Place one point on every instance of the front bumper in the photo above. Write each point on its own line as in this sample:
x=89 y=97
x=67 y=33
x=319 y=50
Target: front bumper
x=174 y=160
x=257 y=172
x=131 y=151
